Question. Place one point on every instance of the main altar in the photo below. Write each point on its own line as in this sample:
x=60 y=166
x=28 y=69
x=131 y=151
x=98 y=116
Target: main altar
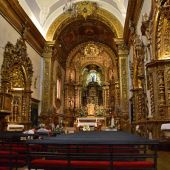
x=93 y=119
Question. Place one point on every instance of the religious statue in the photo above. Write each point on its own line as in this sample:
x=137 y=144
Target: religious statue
x=90 y=109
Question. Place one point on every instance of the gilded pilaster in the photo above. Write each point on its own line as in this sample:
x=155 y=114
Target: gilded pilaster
x=123 y=74
x=47 y=56
x=106 y=95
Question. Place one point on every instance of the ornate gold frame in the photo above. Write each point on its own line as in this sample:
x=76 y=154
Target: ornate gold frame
x=16 y=62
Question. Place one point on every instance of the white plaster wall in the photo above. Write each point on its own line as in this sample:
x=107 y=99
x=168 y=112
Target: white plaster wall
x=8 y=33
x=146 y=8
x=36 y=63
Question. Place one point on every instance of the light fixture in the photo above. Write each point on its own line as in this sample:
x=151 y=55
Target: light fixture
x=83 y=8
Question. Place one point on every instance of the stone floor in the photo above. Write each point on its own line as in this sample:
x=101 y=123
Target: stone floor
x=163 y=160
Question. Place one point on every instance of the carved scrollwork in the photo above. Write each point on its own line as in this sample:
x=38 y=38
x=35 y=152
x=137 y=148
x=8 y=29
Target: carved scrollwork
x=165 y=9
x=138 y=62
x=16 y=55
x=17 y=72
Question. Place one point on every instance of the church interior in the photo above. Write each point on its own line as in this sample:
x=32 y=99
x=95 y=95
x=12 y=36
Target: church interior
x=72 y=66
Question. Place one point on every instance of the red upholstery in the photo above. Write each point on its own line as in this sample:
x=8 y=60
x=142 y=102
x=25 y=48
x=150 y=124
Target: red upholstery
x=19 y=149
x=92 y=164
x=4 y=168
x=133 y=164
x=7 y=152
x=14 y=162
x=14 y=148
x=48 y=163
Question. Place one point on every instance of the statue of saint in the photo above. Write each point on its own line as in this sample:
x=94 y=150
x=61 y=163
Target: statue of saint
x=91 y=109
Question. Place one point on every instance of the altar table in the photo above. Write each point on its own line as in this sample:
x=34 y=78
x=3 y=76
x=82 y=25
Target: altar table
x=90 y=121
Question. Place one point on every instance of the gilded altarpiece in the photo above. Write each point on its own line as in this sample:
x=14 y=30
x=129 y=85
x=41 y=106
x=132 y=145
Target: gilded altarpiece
x=95 y=57
x=158 y=69
x=156 y=28
x=16 y=77
x=138 y=77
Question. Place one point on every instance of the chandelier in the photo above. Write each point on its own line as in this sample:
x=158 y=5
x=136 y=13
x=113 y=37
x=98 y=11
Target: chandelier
x=83 y=8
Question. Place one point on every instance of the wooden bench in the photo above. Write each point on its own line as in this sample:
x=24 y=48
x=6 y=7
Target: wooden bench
x=106 y=157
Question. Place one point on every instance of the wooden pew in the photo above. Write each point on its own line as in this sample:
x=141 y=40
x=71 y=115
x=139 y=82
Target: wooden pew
x=106 y=157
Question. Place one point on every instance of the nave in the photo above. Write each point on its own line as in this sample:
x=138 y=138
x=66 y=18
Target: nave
x=78 y=66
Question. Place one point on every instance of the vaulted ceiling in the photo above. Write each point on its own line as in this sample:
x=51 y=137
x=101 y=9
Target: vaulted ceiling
x=81 y=31
x=44 y=12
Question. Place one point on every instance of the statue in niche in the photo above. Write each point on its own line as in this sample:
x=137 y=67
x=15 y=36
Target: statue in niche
x=91 y=109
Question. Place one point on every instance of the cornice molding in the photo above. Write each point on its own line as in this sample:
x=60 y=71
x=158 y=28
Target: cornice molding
x=16 y=16
x=132 y=16
x=156 y=63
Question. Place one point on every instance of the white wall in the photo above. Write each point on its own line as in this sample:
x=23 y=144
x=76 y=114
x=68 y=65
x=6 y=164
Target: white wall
x=36 y=63
x=146 y=8
x=8 y=33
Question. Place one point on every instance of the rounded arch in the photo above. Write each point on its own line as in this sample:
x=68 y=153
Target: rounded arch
x=102 y=15
x=77 y=49
x=82 y=62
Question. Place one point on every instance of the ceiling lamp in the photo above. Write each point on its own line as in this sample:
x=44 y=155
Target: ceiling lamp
x=83 y=8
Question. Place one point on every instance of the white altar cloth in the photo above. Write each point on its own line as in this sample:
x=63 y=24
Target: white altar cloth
x=165 y=126
x=89 y=121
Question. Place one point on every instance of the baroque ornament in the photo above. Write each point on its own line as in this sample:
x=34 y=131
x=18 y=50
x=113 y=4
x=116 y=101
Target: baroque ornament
x=16 y=55
x=17 y=72
x=91 y=49
x=101 y=15
x=85 y=8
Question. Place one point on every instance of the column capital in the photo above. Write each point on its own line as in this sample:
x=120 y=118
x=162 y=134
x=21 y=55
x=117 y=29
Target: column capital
x=122 y=47
x=48 y=48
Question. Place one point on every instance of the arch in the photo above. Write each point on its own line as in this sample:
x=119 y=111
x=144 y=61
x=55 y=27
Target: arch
x=107 y=49
x=102 y=15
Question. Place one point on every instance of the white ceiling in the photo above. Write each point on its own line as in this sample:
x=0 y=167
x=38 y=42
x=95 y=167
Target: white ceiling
x=44 y=12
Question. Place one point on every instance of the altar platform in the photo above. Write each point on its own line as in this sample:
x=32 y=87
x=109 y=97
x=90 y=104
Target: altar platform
x=93 y=137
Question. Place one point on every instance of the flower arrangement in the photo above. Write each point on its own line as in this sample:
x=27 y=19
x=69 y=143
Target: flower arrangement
x=86 y=128
x=100 y=111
